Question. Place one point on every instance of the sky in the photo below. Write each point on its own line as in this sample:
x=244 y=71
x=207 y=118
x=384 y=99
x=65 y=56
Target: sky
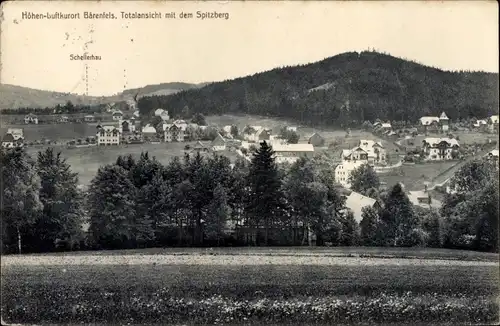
x=257 y=36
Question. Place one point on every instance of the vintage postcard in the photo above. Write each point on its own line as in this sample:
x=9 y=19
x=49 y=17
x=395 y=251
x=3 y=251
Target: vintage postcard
x=249 y=162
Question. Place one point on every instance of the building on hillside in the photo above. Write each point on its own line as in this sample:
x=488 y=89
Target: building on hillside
x=200 y=147
x=117 y=115
x=480 y=123
x=17 y=133
x=219 y=143
x=437 y=149
x=355 y=154
x=316 y=140
x=355 y=202
x=63 y=119
x=375 y=150
x=382 y=127
x=136 y=114
x=89 y=118
x=31 y=119
x=423 y=199
x=227 y=129
x=262 y=134
x=127 y=126
x=174 y=133
x=10 y=141
x=493 y=123
x=291 y=128
x=292 y=152
x=108 y=135
x=148 y=131
x=492 y=155
x=435 y=124
x=164 y=116
x=343 y=172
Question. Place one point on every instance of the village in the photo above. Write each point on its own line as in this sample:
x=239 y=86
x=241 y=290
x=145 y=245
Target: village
x=386 y=147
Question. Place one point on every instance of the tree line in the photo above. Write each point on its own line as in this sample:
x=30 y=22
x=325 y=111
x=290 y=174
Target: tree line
x=342 y=91
x=203 y=200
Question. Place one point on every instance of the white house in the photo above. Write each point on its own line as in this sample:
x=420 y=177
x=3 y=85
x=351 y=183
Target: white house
x=355 y=154
x=343 y=172
x=433 y=123
x=423 y=199
x=291 y=128
x=17 y=133
x=355 y=202
x=219 y=143
x=437 y=149
x=493 y=154
x=136 y=114
x=493 y=123
x=108 y=135
x=148 y=130
x=10 y=141
x=375 y=150
x=31 y=118
x=292 y=152
x=174 y=132
x=480 y=123
x=117 y=115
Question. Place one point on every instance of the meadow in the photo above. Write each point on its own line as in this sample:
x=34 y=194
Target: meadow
x=252 y=286
x=60 y=132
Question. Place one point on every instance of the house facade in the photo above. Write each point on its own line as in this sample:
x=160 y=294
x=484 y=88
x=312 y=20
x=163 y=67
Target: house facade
x=438 y=149
x=290 y=153
x=31 y=119
x=493 y=123
x=219 y=143
x=108 y=135
x=117 y=115
x=435 y=124
x=10 y=141
x=316 y=140
x=173 y=133
x=89 y=118
x=355 y=154
x=343 y=172
x=127 y=126
x=376 y=152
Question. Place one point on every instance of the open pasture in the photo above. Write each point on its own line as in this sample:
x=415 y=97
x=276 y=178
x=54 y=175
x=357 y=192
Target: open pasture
x=61 y=132
x=415 y=176
x=191 y=287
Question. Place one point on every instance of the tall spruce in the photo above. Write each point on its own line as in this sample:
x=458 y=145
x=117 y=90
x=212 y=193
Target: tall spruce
x=217 y=215
x=112 y=208
x=63 y=214
x=265 y=200
x=398 y=217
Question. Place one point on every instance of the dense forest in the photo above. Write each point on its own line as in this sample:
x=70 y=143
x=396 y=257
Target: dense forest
x=343 y=90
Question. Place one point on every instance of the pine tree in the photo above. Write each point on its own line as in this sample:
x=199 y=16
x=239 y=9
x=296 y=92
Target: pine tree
x=63 y=214
x=112 y=207
x=218 y=214
x=398 y=217
x=370 y=227
x=266 y=198
x=20 y=195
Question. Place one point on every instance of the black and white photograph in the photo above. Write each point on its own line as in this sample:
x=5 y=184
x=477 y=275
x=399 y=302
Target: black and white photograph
x=249 y=163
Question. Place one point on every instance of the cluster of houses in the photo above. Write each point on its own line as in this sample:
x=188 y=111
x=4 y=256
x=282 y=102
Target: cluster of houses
x=14 y=137
x=366 y=152
x=490 y=124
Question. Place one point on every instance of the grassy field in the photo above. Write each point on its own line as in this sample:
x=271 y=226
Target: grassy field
x=86 y=161
x=61 y=132
x=249 y=287
x=415 y=176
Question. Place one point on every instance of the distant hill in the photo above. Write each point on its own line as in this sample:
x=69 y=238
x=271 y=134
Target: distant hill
x=342 y=90
x=13 y=97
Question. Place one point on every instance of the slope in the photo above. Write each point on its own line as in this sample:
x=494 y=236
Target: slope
x=343 y=90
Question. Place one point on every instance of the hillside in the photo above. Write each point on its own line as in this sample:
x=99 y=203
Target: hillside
x=12 y=96
x=342 y=90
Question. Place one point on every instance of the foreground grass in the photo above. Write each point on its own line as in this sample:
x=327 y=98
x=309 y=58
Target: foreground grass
x=262 y=293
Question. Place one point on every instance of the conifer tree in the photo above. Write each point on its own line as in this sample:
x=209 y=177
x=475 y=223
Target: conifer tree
x=265 y=200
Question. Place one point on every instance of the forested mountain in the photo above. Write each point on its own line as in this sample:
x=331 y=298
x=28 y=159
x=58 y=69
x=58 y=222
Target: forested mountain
x=342 y=90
